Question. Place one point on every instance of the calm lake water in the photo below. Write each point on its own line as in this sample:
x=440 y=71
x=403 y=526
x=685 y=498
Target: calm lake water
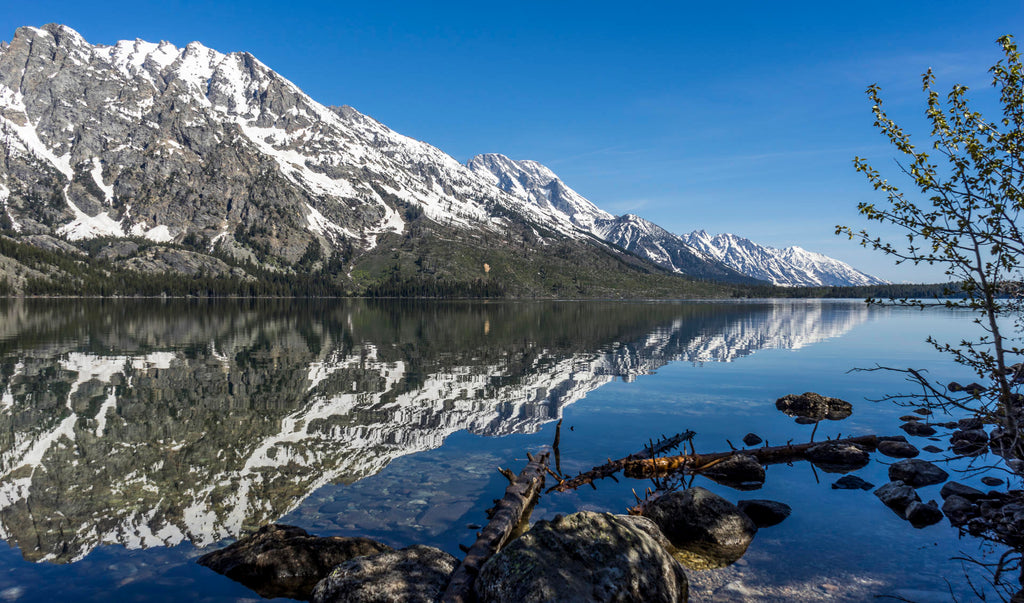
x=137 y=435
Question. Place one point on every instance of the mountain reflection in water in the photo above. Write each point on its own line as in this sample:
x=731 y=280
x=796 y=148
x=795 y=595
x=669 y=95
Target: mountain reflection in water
x=151 y=423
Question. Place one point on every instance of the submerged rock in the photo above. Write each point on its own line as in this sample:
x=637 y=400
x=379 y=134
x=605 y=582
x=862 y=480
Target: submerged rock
x=958 y=489
x=739 y=471
x=917 y=473
x=916 y=428
x=921 y=514
x=814 y=406
x=286 y=561
x=837 y=457
x=752 y=439
x=897 y=496
x=765 y=513
x=896 y=449
x=583 y=557
x=710 y=531
x=959 y=510
x=417 y=574
x=851 y=482
x=991 y=481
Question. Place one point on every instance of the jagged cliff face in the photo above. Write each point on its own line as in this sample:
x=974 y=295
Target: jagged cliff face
x=152 y=140
x=123 y=425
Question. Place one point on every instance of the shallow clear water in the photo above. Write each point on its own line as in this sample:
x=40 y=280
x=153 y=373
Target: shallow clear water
x=137 y=435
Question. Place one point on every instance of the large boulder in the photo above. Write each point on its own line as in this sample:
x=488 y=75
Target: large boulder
x=417 y=574
x=814 y=406
x=917 y=473
x=739 y=471
x=286 y=561
x=707 y=530
x=583 y=557
x=837 y=457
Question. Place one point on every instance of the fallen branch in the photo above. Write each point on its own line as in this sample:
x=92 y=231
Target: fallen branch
x=610 y=468
x=694 y=463
x=505 y=517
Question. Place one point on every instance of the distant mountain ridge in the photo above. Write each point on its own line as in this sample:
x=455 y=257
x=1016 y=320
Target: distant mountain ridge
x=723 y=257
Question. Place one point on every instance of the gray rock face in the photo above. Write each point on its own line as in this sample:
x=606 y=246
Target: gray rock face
x=814 y=406
x=836 y=457
x=417 y=574
x=712 y=530
x=583 y=557
x=917 y=473
x=286 y=561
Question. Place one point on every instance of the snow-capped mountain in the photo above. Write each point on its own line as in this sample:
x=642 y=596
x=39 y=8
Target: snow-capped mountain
x=791 y=267
x=218 y=151
x=724 y=257
x=217 y=157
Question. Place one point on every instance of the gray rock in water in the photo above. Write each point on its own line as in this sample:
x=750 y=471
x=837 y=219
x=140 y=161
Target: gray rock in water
x=895 y=449
x=991 y=481
x=917 y=473
x=765 y=513
x=851 y=482
x=921 y=514
x=836 y=457
x=959 y=510
x=814 y=406
x=417 y=574
x=740 y=471
x=961 y=490
x=752 y=439
x=916 y=428
x=709 y=530
x=583 y=557
x=897 y=496
x=932 y=449
x=286 y=561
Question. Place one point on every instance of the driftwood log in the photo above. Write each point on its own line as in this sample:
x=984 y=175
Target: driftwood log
x=767 y=455
x=610 y=468
x=505 y=517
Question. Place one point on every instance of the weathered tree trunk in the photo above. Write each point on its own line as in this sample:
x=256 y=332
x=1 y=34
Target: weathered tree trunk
x=507 y=515
x=656 y=467
x=610 y=468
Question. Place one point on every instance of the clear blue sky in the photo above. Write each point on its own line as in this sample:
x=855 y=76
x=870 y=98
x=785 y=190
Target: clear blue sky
x=740 y=117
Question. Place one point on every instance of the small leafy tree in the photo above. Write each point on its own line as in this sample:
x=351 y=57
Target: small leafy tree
x=961 y=212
